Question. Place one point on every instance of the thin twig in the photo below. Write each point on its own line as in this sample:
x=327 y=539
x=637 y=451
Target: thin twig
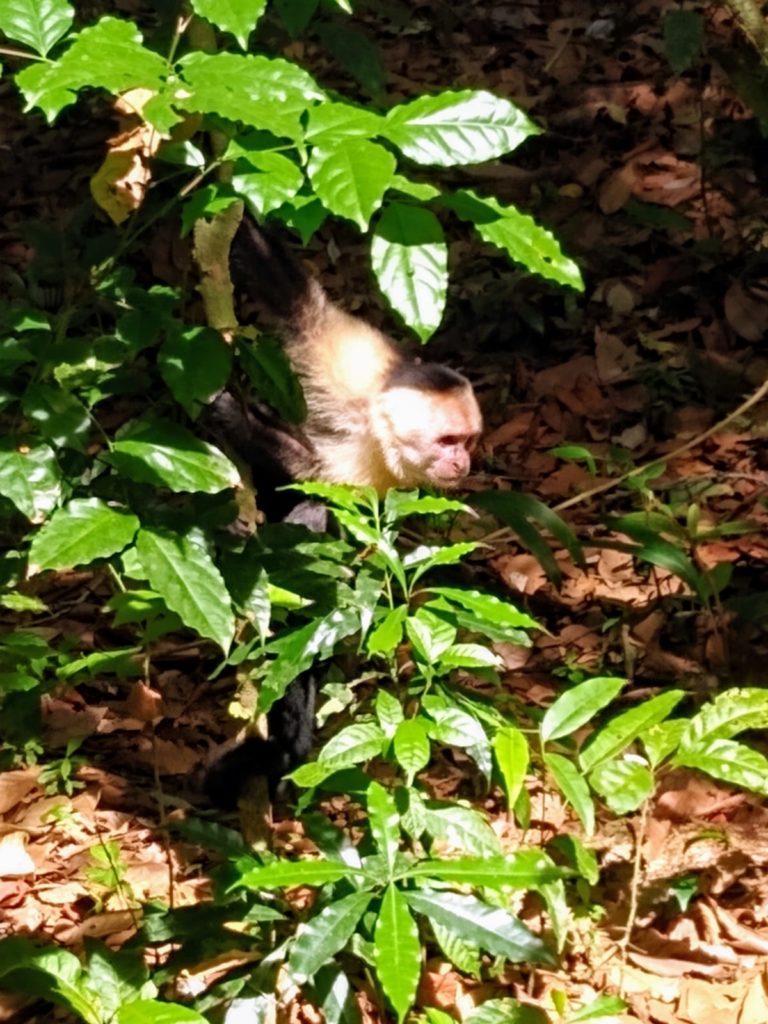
x=753 y=399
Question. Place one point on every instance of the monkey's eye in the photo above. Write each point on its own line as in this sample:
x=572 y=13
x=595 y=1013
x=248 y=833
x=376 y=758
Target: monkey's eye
x=450 y=440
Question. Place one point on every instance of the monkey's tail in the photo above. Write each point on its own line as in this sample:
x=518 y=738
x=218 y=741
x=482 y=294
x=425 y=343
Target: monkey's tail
x=264 y=268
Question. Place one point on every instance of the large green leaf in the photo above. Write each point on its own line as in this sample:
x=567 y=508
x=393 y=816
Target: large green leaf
x=357 y=742
x=397 y=951
x=290 y=873
x=384 y=821
x=236 y=16
x=325 y=934
x=47 y=973
x=165 y=454
x=61 y=418
x=624 y=785
x=79 y=533
x=30 y=478
x=266 y=180
x=264 y=92
x=617 y=734
x=411 y=745
x=571 y=784
x=152 y=1011
x=488 y=607
x=452 y=128
x=455 y=727
x=510 y=748
x=525 y=869
x=183 y=573
x=518 y=235
x=351 y=177
x=507 y=1011
x=430 y=635
x=482 y=925
x=730 y=713
x=108 y=55
x=329 y=122
x=730 y=761
x=461 y=828
x=195 y=363
x=578 y=705
x=39 y=24
x=410 y=259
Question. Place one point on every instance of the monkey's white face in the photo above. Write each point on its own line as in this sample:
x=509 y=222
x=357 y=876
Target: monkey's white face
x=428 y=437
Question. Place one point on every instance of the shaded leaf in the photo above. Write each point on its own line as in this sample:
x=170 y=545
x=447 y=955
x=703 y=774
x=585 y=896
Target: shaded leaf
x=325 y=934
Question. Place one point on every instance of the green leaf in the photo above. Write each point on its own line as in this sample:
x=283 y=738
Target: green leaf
x=730 y=713
x=387 y=636
x=108 y=55
x=39 y=24
x=266 y=180
x=575 y=453
x=79 y=533
x=525 y=869
x=461 y=954
x=662 y=739
x=431 y=636
x=510 y=749
x=351 y=177
x=469 y=656
x=624 y=785
x=329 y=122
x=236 y=16
x=460 y=828
x=325 y=934
x=285 y=874
x=616 y=735
x=571 y=784
x=58 y=415
x=415 y=189
x=730 y=761
x=517 y=234
x=667 y=555
x=30 y=478
x=506 y=1011
x=165 y=454
x=357 y=742
x=410 y=260
x=578 y=705
x=384 y=822
x=183 y=573
x=47 y=973
x=516 y=510
x=683 y=38
x=397 y=951
x=480 y=924
x=389 y=712
x=151 y=1011
x=456 y=727
x=195 y=363
x=602 y=1006
x=411 y=745
x=259 y=91
x=400 y=504
x=269 y=371
x=488 y=607
x=453 y=128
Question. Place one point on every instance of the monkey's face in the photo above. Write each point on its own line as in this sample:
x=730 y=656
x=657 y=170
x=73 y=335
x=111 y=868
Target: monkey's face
x=427 y=437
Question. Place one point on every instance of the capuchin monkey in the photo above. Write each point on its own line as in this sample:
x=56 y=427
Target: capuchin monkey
x=373 y=418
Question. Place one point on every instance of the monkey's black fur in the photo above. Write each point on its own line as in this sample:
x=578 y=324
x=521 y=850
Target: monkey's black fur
x=291 y=722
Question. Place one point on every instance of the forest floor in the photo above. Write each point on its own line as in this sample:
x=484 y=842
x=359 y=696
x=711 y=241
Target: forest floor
x=657 y=185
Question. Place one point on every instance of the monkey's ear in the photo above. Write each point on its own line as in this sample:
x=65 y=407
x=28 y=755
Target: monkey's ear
x=264 y=268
